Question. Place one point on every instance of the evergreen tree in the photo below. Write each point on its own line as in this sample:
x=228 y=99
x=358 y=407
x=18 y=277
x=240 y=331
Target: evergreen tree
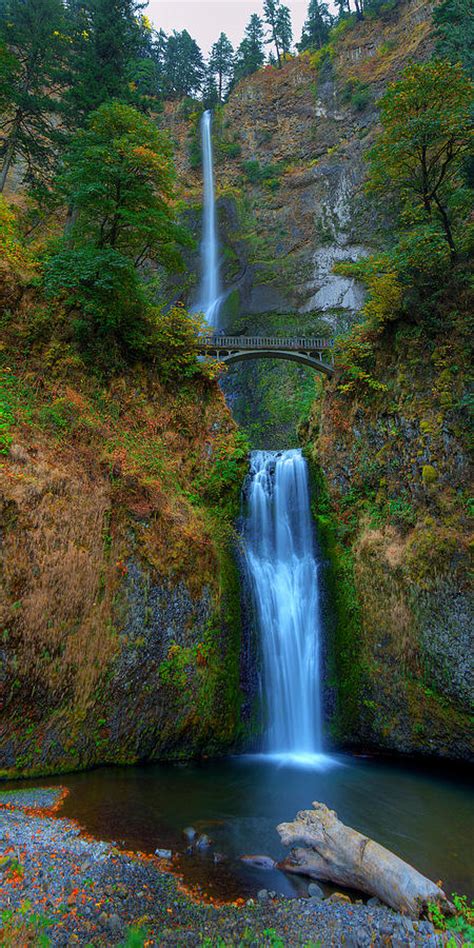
x=210 y=92
x=184 y=65
x=454 y=25
x=284 y=29
x=106 y=40
x=316 y=27
x=250 y=55
x=221 y=63
x=278 y=19
x=31 y=50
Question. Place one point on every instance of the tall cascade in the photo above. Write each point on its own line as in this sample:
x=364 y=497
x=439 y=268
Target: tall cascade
x=282 y=566
x=209 y=300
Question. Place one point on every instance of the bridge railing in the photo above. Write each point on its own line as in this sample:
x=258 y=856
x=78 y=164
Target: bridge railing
x=216 y=341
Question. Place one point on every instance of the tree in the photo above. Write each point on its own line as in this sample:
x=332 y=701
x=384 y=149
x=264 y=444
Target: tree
x=426 y=135
x=454 y=30
x=221 y=63
x=278 y=19
x=119 y=176
x=106 y=36
x=184 y=65
x=31 y=50
x=316 y=27
x=210 y=92
x=250 y=55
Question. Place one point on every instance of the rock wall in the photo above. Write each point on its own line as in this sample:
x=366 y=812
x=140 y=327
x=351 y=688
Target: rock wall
x=390 y=499
x=120 y=620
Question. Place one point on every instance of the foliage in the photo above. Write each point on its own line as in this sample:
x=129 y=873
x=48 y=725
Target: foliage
x=462 y=923
x=31 y=53
x=418 y=157
x=105 y=39
x=183 y=65
x=250 y=54
x=316 y=27
x=277 y=16
x=14 y=255
x=119 y=177
x=454 y=31
x=357 y=94
x=173 y=344
x=221 y=63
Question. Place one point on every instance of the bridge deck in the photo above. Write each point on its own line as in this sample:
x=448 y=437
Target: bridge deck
x=302 y=344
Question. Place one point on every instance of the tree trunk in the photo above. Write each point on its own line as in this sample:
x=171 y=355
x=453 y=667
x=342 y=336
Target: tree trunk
x=340 y=854
x=9 y=153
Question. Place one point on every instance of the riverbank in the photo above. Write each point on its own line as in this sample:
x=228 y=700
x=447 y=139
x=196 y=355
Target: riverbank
x=60 y=885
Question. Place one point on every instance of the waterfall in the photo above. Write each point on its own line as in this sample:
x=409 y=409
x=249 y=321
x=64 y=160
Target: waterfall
x=209 y=294
x=281 y=563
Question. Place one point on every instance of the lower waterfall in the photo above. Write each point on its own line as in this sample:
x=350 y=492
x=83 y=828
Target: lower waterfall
x=283 y=571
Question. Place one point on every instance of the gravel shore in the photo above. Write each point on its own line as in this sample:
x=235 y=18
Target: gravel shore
x=60 y=887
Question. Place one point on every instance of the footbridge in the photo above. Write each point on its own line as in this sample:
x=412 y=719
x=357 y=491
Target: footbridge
x=315 y=353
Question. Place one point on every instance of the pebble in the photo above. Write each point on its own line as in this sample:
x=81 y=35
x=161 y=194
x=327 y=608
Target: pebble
x=163 y=853
x=315 y=891
x=112 y=891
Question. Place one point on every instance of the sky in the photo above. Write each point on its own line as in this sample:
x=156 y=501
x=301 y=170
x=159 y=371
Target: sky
x=206 y=19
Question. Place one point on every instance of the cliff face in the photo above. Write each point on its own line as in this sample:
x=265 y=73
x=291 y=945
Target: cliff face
x=394 y=515
x=120 y=604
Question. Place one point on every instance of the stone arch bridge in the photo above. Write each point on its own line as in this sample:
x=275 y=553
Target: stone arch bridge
x=315 y=353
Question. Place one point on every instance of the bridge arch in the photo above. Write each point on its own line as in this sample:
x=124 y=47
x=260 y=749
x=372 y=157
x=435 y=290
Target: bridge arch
x=288 y=355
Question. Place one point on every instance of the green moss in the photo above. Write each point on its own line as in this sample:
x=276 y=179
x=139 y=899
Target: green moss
x=429 y=474
x=344 y=621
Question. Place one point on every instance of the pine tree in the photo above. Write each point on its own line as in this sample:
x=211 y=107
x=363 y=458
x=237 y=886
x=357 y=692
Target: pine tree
x=106 y=40
x=278 y=19
x=316 y=27
x=454 y=25
x=284 y=29
x=210 y=92
x=184 y=65
x=250 y=55
x=221 y=63
x=31 y=51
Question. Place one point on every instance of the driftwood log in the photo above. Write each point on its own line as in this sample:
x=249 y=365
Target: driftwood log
x=337 y=853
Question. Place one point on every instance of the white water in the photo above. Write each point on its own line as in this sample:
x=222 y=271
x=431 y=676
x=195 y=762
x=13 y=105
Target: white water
x=210 y=298
x=283 y=570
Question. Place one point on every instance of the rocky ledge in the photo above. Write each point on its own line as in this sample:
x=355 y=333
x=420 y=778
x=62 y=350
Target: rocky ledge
x=60 y=887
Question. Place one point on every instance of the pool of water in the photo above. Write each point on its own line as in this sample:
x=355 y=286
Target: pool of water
x=422 y=815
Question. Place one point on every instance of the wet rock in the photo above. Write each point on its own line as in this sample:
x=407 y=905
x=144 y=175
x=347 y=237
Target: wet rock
x=338 y=897
x=260 y=862
x=315 y=891
x=163 y=853
x=262 y=895
x=219 y=857
x=189 y=833
x=374 y=902
x=203 y=842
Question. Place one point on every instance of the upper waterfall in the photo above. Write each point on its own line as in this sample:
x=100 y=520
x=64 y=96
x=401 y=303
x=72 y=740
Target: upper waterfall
x=209 y=300
x=281 y=561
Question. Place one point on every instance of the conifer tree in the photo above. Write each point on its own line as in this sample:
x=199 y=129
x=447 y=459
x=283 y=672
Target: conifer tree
x=31 y=50
x=278 y=18
x=250 y=55
x=106 y=39
x=210 y=92
x=316 y=27
x=221 y=63
x=184 y=65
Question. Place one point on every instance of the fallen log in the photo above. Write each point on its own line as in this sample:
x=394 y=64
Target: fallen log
x=337 y=853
